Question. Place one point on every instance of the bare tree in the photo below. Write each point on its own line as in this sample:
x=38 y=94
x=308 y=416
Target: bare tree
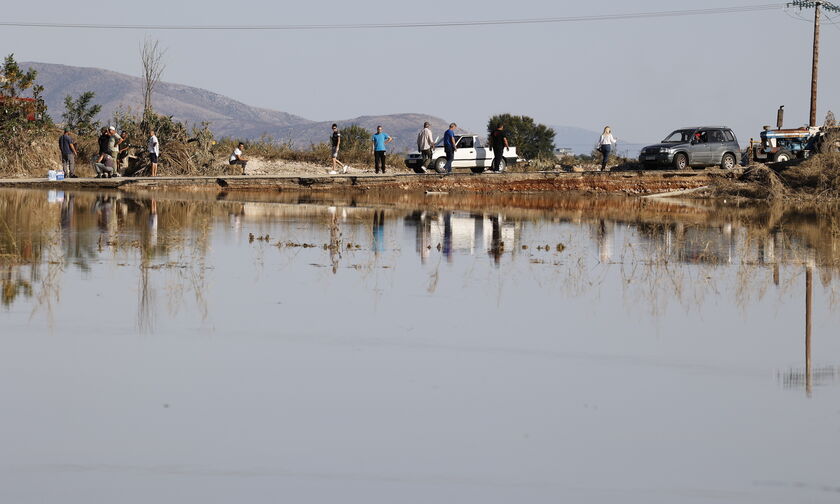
x=151 y=58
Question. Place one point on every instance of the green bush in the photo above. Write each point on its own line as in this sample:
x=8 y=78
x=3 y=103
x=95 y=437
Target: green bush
x=531 y=139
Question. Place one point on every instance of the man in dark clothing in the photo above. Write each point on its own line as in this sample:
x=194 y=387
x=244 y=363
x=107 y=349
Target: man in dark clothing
x=499 y=142
x=68 y=153
x=449 y=146
x=103 y=142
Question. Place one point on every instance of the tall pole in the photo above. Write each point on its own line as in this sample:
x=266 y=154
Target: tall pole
x=816 y=61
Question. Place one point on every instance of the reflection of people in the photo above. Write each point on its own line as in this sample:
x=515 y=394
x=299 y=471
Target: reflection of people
x=153 y=224
x=447 y=235
x=378 y=231
x=496 y=239
x=604 y=239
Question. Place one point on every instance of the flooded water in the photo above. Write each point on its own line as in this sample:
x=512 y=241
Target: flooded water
x=413 y=349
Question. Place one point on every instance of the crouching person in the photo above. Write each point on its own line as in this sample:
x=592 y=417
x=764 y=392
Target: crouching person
x=103 y=165
x=238 y=158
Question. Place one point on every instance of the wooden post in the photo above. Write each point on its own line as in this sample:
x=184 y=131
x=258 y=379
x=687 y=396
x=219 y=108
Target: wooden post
x=815 y=63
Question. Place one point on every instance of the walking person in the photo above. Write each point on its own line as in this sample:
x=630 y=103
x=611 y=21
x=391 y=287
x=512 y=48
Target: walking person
x=449 y=146
x=426 y=145
x=238 y=158
x=68 y=154
x=335 y=141
x=153 y=147
x=605 y=146
x=380 y=140
x=499 y=142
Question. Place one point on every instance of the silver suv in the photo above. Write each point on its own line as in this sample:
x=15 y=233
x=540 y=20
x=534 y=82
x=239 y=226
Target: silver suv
x=696 y=146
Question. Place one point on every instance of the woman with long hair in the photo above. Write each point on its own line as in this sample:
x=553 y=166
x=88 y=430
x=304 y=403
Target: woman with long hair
x=605 y=146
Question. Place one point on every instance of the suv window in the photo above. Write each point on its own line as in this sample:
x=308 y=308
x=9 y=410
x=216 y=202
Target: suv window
x=716 y=136
x=728 y=135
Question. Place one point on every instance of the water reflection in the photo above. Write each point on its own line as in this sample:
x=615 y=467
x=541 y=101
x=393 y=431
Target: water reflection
x=665 y=252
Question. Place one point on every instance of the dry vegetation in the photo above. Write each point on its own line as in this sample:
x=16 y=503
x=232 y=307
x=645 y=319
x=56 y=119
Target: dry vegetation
x=816 y=178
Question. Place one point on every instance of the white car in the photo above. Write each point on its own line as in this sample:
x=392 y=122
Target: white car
x=470 y=153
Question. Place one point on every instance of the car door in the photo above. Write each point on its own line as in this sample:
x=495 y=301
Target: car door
x=717 y=146
x=699 y=152
x=465 y=154
x=482 y=154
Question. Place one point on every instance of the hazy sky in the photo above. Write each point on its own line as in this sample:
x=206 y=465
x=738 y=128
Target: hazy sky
x=643 y=77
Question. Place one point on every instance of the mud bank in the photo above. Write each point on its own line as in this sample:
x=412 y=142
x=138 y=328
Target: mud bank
x=636 y=182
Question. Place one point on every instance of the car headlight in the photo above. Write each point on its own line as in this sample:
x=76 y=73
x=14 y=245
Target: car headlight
x=663 y=150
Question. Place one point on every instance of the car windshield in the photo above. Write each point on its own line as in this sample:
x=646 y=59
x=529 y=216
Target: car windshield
x=679 y=136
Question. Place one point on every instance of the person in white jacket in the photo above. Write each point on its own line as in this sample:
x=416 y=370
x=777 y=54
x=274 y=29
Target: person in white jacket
x=605 y=146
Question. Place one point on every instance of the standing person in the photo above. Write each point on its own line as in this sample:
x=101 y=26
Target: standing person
x=239 y=159
x=122 y=158
x=499 y=142
x=68 y=153
x=335 y=141
x=380 y=140
x=153 y=146
x=449 y=146
x=114 y=141
x=103 y=144
x=426 y=145
x=605 y=146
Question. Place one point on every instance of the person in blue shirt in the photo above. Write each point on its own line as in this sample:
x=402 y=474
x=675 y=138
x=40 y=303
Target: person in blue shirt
x=449 y=147
x=380 y=140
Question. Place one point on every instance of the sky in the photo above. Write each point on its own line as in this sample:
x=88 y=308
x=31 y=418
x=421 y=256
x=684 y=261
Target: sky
x=643 y=77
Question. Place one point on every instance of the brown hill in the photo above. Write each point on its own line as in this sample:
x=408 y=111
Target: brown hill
x=228 y=117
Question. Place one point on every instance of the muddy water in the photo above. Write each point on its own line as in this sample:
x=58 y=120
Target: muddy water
x=428 y=348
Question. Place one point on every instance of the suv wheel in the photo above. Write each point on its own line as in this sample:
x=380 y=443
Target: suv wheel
x=728 y=162
x=680 y=161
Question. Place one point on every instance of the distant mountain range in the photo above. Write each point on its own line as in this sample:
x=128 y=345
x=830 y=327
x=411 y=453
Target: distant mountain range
x=232 y=118
x=582 y=141
x=227 y=117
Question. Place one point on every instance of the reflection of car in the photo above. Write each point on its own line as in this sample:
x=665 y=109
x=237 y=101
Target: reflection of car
x=696 y=146
x=471 y=153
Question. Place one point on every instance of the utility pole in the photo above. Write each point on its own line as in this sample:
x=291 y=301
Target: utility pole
x=815 y=63
x=818 y=6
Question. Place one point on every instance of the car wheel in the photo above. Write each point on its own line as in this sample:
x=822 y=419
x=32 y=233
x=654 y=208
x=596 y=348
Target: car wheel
x=782 y=156
x=477 y=169
x=728 y=162
x=680 y=161
x=440 y=165
x=502 y=165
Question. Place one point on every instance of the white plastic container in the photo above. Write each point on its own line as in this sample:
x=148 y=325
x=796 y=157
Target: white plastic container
x=51 y=175
x=59 y=175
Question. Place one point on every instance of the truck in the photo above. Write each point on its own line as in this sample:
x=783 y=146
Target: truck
x=471 y=153
x=780 y=145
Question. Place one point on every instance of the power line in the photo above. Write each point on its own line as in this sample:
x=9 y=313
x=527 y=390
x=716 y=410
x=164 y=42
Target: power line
x=429 y=24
